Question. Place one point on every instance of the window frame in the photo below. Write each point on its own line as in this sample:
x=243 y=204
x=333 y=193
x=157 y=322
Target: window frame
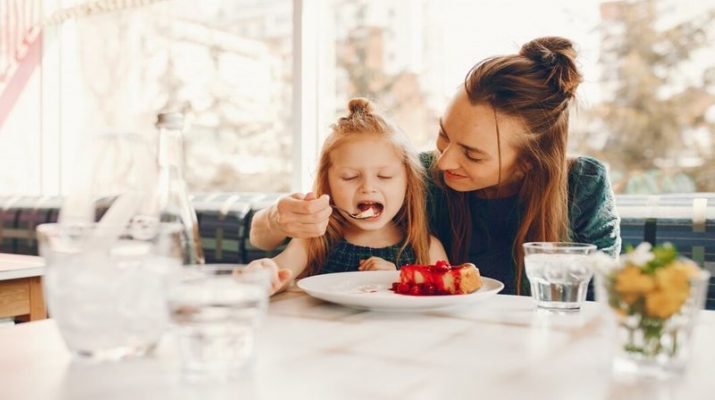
x=312 y=102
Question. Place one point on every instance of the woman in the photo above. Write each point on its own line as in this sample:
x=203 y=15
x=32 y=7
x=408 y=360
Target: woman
x=500 y=176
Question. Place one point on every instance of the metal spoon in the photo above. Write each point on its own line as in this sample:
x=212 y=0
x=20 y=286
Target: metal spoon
x=369 y=213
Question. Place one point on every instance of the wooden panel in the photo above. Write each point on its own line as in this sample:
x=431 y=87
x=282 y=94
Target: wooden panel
x=14 y=298
x=37 y=300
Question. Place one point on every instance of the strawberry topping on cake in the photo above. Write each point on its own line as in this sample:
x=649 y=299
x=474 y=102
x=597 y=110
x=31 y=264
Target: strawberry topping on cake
x=438 y=279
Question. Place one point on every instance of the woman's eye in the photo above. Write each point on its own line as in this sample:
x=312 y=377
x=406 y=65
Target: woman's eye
x=472 y=159
x=348 y=178
x=442 y=142
x=384 y=177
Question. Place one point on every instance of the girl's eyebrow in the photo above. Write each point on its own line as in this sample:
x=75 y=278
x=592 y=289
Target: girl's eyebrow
x=464 y=146
x=377 y=167
x=338 y=165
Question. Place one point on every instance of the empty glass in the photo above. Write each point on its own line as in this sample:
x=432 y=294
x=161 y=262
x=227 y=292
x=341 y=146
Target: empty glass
x=215 y=310
x=559 y=273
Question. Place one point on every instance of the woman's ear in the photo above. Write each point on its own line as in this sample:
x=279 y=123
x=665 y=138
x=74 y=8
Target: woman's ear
x=521 y=169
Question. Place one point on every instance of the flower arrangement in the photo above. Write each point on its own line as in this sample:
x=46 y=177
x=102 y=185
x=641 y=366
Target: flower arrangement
x=649 y=290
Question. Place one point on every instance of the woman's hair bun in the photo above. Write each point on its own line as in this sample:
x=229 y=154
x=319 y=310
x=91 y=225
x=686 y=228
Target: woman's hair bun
x=360 y=105
x=558 y=57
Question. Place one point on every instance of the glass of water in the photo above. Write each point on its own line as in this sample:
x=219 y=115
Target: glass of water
x=104 y=285
x=559 y=273
x=215 y=310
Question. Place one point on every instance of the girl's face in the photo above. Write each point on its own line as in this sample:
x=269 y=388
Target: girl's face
x=367 y=173
x=468 y=147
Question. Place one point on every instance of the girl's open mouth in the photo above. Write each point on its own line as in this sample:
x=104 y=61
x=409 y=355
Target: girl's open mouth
x=369 y=209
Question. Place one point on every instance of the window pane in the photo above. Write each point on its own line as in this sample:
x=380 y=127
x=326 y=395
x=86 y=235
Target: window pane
x=384 y=51
x=20 y=97
x=228 y=64
x=646 y=106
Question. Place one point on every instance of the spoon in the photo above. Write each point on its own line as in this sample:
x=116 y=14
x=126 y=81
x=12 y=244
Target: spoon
x=369 y=213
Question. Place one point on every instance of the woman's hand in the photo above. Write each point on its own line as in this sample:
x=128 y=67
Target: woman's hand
x=279 y=276
x=376 y=264
x=301 y=216
x=298 y=216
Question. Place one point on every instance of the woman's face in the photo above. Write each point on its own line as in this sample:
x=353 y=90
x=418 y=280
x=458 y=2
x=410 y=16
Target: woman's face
x=468 y=147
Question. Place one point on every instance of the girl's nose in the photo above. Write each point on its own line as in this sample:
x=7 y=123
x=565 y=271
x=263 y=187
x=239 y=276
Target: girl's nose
x=368 y=185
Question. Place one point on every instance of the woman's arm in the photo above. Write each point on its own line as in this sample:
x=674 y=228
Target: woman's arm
x=265 y=233
x=436 y=251
x=592 y=208
x=296 y=216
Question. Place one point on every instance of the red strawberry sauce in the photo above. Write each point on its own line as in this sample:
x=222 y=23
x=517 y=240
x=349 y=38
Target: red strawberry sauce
x=433 y=279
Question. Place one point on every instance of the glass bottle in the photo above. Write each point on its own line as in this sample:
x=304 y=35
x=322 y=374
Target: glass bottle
x=174 y=204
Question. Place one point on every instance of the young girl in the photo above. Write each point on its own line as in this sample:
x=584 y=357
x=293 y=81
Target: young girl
x=376 y=184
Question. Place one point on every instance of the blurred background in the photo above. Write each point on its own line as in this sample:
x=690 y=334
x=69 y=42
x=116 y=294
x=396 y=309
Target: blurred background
x=261 y=81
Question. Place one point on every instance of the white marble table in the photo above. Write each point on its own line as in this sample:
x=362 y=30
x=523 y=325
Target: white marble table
x=501 y=348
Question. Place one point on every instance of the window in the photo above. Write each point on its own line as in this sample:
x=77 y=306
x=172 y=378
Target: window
x=234 y=84
x=225 y=63
x=646 y=107
x=261 y=90
x=20 y=88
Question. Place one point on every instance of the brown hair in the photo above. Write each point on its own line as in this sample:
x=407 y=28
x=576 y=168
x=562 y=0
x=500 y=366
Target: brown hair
x=535 y=86
x=363 y=120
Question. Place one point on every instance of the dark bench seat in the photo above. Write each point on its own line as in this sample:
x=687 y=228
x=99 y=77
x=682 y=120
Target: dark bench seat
x=686 y=220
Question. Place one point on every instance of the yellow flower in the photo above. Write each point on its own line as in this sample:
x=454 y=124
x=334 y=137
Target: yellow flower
x=688 y=267
x=673 y=278
x=672 y=289
x=632 y=283
x=662 y=304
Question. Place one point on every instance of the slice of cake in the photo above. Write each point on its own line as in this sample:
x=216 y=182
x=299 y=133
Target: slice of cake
x=438 y=279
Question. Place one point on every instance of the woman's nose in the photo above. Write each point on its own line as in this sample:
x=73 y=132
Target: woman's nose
x=447 y=160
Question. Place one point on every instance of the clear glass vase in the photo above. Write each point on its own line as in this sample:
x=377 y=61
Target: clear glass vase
x=655 y=340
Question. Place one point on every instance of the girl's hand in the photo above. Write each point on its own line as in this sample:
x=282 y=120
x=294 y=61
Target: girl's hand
x=376 y=264
x=279 y=276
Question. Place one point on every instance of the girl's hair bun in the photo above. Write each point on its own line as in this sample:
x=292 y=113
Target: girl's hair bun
x=360 y=105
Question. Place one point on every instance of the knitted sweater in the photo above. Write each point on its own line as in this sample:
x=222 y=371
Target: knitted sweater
x=592 y=218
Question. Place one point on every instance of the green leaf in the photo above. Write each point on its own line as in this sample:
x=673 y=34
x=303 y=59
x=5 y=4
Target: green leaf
x=664 y=255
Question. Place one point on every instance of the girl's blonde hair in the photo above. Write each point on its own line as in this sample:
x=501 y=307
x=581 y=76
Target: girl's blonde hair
x=363 y=120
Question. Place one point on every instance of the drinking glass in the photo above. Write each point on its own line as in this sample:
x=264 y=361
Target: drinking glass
x=559 y=273
x=109 y=253
x=107 y=295
x=215 y=310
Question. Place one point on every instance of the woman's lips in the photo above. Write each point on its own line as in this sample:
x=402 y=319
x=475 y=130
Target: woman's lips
x=452 y=176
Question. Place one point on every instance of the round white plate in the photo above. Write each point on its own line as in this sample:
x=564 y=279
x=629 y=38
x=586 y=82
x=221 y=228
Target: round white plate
x=371 y=290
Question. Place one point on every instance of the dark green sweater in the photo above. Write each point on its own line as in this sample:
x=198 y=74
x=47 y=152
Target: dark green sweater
x=592 y=216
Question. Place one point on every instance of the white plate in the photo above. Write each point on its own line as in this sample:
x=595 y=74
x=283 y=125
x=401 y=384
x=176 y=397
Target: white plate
x=371 y=290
